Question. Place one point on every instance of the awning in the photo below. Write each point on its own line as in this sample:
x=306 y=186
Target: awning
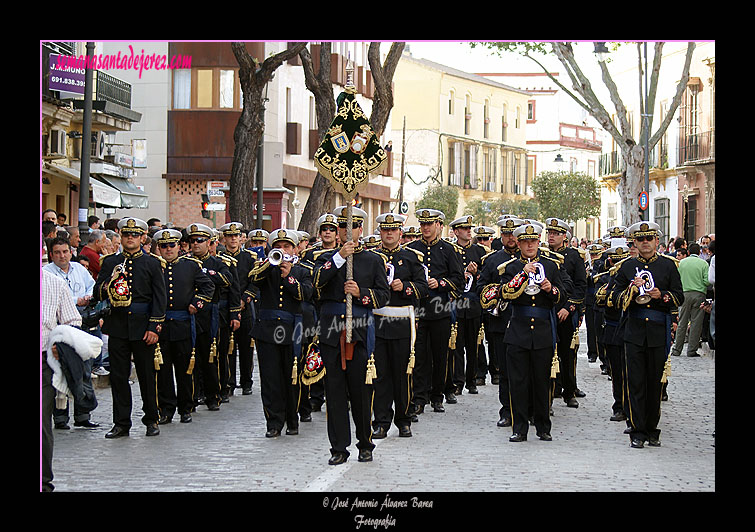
x=131 y=195
x=102 y=193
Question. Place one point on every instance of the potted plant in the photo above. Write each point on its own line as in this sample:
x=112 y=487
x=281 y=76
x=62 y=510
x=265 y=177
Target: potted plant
x=466 y=182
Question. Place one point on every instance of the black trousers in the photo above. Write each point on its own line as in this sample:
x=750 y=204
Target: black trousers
x=567 y=359
x=617 y=365
x=224 y=370
x=120 y=351
x=644 y=368
x=206 y=371
x=48 y=403
x=175 y=389
x=529 y=368
x=344 y=387
x=432 y=360
x=500 y=348
x=465 y=354
x=244 y=351
x=280 y=398
x=305 y=406
x=393 y=385
x=592 y=325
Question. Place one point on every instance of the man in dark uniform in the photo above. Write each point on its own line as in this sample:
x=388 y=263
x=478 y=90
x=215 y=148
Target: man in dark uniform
x=208 y=320
x=486 y=360
x=498 y=309
x=592 y=315
x=189 y=290
x=229 y=312
x=568 y=313
x=409 y=233
x=612 y=336
x=258 y=242
x=278 y=330
x=346 y=364
x=133 y=283
x=647 y=327
x=395 y=329
x=446 y=281
x=313 y=395
x=468 y=310
x=531 y=333
x=244 y=259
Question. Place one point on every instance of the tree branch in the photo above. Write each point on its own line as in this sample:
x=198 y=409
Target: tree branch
x=677 y=97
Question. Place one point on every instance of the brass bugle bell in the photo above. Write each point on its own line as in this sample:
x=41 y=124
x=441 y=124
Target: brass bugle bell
x=276 y=256
x=648 y=284
x=533 y=286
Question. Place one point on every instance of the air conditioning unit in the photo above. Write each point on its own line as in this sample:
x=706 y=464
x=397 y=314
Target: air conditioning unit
x=58 y=142
x=99 y=146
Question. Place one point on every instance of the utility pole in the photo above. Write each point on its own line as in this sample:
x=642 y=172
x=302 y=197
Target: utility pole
x=646 y=212
x=86 y=144
x=403 y=158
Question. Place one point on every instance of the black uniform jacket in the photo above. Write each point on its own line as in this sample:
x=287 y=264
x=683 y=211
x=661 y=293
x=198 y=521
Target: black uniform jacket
x=644 y=323
x=407 y=267
x=468 y=305
x=144 y=273
x=230 y=296
x=444 y=265
x=369 y=272
x=280 y=301
x=574 y=266
x=220 y=274
x=489 y=288
x=532 y=320
x=186 y=284
x=245 y=260
x=611 y=332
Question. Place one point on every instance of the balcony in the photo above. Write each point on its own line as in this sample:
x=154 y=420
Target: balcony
x=697 y=149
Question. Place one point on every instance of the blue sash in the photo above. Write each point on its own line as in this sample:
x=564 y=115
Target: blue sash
x=183 y=315
x=656 y=316
x=286 y=317
x=336 y=309
x=522 y=311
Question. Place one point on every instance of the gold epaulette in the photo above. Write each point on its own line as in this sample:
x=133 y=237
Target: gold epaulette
x=669 y=257
x=163 y=262
x=558 y=256
x=616 y=266
x=377 y=252
x=502 y=266
x=192 y=258
x=229 y=261
x=103 y=257
x=420 y=255
x=482 y=260
x=252 y=253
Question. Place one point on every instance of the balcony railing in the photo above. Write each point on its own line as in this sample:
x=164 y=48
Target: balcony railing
x=110 y=89
x=613 y=163
x=697 y=148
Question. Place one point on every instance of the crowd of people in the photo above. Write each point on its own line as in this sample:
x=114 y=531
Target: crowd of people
x=375 y=327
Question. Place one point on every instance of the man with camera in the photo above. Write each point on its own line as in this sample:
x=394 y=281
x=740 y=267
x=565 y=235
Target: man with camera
x=648 y=288
x=133 y=283
x=80 y=284
x=283 y=284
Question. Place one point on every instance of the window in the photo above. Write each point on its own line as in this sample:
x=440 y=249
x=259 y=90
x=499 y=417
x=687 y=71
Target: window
x=207 y=88
x=518 y=116
x=451 y=97
x=662 y=208
x=467 y=114
x=504 y=124
x=531 y=110
x=611 y=217
x=227 y=86
x=182 y=89
x=204 y=88
x=486 y=119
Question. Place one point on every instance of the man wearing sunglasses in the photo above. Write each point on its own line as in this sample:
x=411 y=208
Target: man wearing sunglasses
x=208 y=321
x=133 y=282
x=189 y=289
x=647 y=328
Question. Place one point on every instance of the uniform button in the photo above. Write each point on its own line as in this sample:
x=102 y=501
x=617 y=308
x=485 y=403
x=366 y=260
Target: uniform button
x=533 y=304
x=532 y=319
x=646 y=319
x=532 y=327
x=343 y=316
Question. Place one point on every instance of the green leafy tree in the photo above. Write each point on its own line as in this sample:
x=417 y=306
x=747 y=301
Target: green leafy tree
x=565 y=195
x=445 y=199
x=486 y=212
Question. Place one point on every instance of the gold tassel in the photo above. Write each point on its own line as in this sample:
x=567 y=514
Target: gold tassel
x=294 y=371
x=213 y=351
x=231 y=345
x=410 y=366
x=251 y=344
x=481 y=334
x=371 y=370
x=452 y=340
x=191 y=363
x=554 y=364
x=575 y=339
x=666 y=370
x=158 y=357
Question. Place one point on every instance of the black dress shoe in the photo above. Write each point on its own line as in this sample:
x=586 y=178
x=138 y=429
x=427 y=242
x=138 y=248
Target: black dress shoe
x=451 y=398
x=292 y=431
x=379 y=433
x=213 y=406
x=117 y=432
x=316 y=407
x=153 y=429
x=572 y=403
x=652 y=442
x=272 y=433
x=338 y=458
x=164 y=420
x=419 y=409
x=495 y=379
x=618 y=416
x=579 y=393
x=438 y=407
x=86 y=423
x=305 y=418
x=637 y=443
x=545 y=436
x=185 y=418
x=504 y=422
x=365 y=455
x=62 y=426
x=246 y=391
x=517 y=437
x=405 y=432
x=472 y=389
x=224 y=398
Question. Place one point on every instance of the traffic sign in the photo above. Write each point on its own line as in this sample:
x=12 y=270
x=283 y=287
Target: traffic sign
x=404 y=207
x=643 y=200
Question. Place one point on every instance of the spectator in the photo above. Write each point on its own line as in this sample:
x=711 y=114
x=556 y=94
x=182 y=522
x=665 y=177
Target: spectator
x=49 y=215
x=694 y=273
x=111 y=224
x=62 y=219
x=705 y=253
x=57 y=309
x=682 y=254
x=80 y=284
x=154 y=222
x=93 y=249
x=679 y=243
x=74 y=238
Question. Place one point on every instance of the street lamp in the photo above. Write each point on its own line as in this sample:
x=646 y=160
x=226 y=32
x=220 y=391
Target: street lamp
x=600 y=50
x=559 y=159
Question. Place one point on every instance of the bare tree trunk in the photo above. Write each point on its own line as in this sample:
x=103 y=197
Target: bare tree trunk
x=250 y=128
x=322 y=196
x=382 y=102
x=631 y=183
